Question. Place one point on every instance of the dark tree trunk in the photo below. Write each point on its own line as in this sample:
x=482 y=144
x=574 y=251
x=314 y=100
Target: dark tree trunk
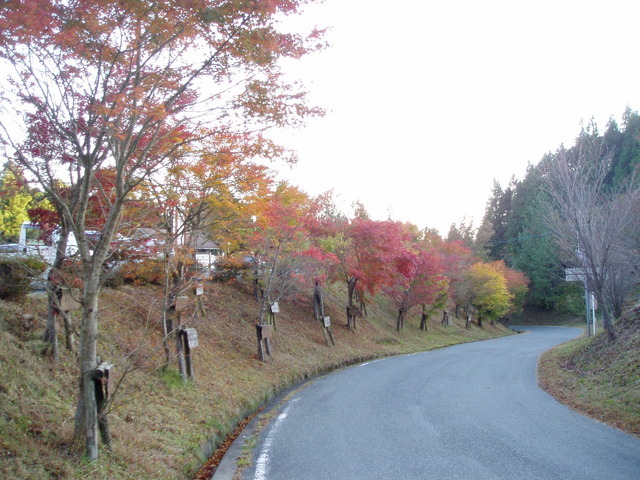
x=351 y=288
x=607 y=323
x=423 y=319
x=400 y=319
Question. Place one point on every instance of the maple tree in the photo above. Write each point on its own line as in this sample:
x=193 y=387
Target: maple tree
x=517 y=284
x=200 y=199
x=366 y=253
x=278 y=239
x=420 y=280
x=131 y=85
x=484 y=286
x=456 y=257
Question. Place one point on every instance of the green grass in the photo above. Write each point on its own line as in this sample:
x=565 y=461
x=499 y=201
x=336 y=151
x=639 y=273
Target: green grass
x=599 y=378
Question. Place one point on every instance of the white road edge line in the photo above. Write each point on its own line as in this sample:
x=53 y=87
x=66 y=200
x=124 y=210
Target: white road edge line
x=262 y=465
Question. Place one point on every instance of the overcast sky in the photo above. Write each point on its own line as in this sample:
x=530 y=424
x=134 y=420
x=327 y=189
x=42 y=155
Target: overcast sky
x=428 y=102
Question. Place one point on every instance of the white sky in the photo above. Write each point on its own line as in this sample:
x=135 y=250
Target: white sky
x=428 y=101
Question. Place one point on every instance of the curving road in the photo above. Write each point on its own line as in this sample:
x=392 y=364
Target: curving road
x=471 y=411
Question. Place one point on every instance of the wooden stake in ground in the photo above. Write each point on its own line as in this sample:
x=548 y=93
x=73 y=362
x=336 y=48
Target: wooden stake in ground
x=446 y=320
x=190 y=341
x=180 y=307
x=103 y=393
x=352 y=313
x=424 y=318
x=199 y=291
x=318 y=312
x=274 y=308
x=263 y=332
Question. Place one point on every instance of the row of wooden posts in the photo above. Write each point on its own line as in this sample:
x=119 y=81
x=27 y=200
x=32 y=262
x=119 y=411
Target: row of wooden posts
x=187 y=339
x=264 y=331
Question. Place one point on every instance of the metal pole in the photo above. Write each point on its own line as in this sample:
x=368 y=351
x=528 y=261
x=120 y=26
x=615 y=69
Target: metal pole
x=593 y=313
x=587 y=298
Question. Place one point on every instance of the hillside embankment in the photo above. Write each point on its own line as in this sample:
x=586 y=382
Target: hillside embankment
x=597 y=377
x=162 y=428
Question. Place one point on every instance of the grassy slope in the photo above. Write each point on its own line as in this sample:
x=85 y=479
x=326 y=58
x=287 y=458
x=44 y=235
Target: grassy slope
x=599 y=378
x=162 y=429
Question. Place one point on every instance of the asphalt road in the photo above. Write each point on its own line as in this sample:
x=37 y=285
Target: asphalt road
x=471 y=411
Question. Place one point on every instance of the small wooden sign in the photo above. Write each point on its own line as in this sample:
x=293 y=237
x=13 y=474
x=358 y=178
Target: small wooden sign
x=70 y=299
x=265 y=331
x=199 y=289
x=181 y=303
x=275 y=308
x=102 y=373
x=192 y=337
x=327 y=322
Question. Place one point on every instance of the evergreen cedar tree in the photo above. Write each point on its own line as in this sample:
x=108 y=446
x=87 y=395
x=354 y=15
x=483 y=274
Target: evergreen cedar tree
x=517 y=222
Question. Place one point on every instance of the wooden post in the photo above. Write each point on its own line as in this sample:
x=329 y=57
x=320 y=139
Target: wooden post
x=103 y=393
x=318 y=313
x=187 y=355
x=273 y=309
x=190 y=341
x=199 y=291
x=352 y=313
x=263 y=333
x=423 y=319
x=181 y=305
x=326 y=323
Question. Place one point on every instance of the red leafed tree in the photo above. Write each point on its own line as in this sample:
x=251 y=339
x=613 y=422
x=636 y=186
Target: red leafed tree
x=131 y=85
x=367 y=253
x=420 y=280
x=456 y=258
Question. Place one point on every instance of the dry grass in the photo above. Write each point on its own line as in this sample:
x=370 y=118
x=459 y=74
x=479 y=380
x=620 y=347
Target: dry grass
x=161 y=428
x=598 y=378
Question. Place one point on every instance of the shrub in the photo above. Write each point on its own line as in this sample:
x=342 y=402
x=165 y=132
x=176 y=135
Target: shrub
x=146 y=272
x=228 y=268
x=17 y=274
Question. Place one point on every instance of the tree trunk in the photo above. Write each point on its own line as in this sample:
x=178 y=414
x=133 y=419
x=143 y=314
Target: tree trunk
x=168 y=301
x=87 y=360
x=68 y=331
x=53 y=298
x=607 y=322
x=182 y=366
x=318 y=306
x=79 y=421
x=51 y=335
x=400 y=319
x=351 y=288
x=267 y=291
x=423 y=319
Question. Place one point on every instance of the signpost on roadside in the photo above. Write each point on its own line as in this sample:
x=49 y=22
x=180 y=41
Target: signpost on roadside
x=579 y=275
